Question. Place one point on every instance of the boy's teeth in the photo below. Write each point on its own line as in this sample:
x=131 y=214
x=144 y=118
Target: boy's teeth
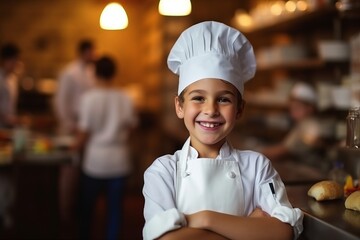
x=209 y=125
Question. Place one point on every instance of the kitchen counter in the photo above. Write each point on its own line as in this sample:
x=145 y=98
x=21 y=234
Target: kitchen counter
x=327 y=219
x=21 y=146
x=35 y=180
x=50 y=158
x=322 y=220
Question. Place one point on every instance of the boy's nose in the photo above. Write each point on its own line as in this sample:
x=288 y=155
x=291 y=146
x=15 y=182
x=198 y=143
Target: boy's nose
x=211 y=109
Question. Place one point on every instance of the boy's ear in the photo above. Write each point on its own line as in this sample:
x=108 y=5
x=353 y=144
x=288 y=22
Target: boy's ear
x=240 y=109
x=178 y=108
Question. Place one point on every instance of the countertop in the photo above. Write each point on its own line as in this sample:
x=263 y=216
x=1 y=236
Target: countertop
x=326 y=219
x=49 y=158
x=322 y=220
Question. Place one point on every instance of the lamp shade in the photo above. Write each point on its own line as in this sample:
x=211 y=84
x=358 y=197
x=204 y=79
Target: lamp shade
x=175 y=7
x=113 y=17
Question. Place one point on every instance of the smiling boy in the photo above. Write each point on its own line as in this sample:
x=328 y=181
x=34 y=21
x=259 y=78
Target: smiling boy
x=209 y=190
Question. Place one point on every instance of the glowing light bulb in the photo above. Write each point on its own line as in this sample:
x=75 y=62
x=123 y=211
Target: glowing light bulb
x=113 y=17
x=175 y=7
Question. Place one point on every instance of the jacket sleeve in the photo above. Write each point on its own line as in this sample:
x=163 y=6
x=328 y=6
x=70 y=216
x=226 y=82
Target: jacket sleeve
x=272 y=198
x=160 y=212
x=163 y=222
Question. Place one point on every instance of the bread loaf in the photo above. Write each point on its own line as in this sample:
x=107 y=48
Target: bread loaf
x=353 y=201
x=326 y=190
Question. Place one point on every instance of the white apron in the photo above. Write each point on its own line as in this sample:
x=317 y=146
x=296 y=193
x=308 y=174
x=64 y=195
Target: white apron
x=208 y=184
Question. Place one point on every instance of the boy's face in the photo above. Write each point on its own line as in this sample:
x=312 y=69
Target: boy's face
x=210 y=109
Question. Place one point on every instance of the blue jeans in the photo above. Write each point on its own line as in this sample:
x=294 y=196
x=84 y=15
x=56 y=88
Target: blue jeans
x=91 y=189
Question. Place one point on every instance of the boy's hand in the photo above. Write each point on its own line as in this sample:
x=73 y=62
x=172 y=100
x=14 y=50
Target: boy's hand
x=198 y=219
x=259 y=213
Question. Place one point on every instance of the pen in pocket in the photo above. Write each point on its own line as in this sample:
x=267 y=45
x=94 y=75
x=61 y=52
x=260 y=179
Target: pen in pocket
x=271 y=185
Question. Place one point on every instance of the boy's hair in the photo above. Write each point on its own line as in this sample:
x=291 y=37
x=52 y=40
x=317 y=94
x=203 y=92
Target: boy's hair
x=9 y=51
x=105 y=68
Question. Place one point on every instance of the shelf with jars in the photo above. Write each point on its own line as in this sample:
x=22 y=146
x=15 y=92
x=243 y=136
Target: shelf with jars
x=302 y=40
x=309 y=41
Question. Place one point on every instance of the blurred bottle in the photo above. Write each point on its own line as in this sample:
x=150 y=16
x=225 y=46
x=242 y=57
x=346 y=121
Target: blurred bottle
x=353 y=128
x=20 y=139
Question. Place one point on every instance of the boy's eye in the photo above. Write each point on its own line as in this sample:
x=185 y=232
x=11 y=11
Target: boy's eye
x=197 y=98
x=223 y=100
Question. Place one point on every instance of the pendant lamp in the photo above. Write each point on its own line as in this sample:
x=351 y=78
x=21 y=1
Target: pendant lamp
x=113 y=17
x=175 y=7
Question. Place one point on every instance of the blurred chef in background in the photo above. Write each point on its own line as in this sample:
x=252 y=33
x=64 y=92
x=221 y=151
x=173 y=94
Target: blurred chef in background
x=76 y=78
x=304 y=142
x=10 y=70
x=9 y=74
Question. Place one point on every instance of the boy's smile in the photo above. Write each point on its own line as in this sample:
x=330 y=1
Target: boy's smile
x=210 y=109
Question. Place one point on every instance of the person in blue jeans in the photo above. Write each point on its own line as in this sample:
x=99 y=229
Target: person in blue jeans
x=105 y=119
x=91 y=189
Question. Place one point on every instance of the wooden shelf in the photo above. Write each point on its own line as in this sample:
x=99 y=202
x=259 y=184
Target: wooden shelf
x=266 y=104
x=299 y=64
x=292 y=21
x=305 y=64
x=277 y=63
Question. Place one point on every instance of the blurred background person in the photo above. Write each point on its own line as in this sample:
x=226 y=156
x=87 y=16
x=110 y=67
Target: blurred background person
x=9 y=74
x=305 y=141
x=105 y=119
x=10 y=63
x=75 y=79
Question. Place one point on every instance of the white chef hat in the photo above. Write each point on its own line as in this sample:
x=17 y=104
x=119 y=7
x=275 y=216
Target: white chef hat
x=304 y=92
x=212 y=50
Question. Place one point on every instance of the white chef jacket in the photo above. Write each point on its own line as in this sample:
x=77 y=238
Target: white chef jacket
x=76 y=78
x=8 y=96
x=161 y=213
x=107 y=114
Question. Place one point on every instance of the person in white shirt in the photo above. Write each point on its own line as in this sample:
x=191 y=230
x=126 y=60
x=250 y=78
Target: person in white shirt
x=76 y=78
x=208 y=189
x=106 y=118
x=8 y=85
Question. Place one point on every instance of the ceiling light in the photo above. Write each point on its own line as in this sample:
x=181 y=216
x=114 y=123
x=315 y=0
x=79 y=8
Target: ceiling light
x=175 y=7
x=113 y=17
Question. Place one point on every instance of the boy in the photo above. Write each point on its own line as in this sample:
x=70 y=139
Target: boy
x=208 y=190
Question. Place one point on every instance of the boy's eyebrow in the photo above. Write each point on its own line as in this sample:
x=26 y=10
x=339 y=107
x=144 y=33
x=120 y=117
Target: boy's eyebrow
x=197 y=91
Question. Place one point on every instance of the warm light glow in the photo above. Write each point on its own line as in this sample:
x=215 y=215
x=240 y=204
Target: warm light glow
x=113 y=17
x=290 y=6
x=175 y=7
x=243 y=19
x=277 y=8
x=302 y=5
